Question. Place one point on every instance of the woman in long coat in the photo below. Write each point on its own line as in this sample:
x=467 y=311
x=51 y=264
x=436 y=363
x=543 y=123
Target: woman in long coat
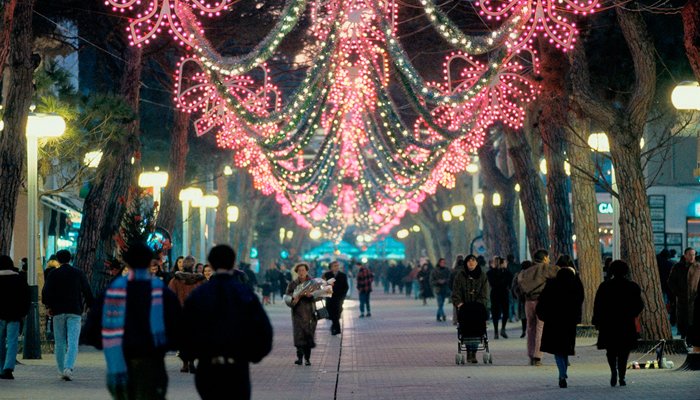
x=559 y=307
x=303 y=316
x=617 y=303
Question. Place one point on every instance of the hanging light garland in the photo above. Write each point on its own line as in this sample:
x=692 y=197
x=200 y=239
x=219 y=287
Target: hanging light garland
x=337 y=152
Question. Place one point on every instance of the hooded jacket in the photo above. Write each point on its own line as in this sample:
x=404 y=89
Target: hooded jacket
x=183 y=283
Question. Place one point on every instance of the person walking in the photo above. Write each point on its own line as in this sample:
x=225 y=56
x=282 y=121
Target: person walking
x=694 y=329
x=66 y=295
x=617 y=304
x=135 y=322
x=426 y=291
x=334 y=304
x=284 y=278
x=439 y=281
x=520 y=297
x=532 y=281
x=500 y=279
x=226 y=329
x=513 y=268
x=15 y=300
x=559 y=308
x=272 y=276
x=182 y=284
x=678 y=288
x=365 y=277
x=303 y=316
x=470 y=294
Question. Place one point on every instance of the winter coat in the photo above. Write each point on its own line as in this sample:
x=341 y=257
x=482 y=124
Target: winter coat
x=334 y=304
x=618 y=302
x=183 y=283
x=303 y=318
x=693 y=280
x=224 y=317
x=423 y=277
x=138 y=339
x=66 y=291
x=559 y=307
x=439 y=280
x=678 y=287
x=533 y=280
x=365 y=277
x=471 y=286
x=500 y=280
x=15 y=297
x=453 y=274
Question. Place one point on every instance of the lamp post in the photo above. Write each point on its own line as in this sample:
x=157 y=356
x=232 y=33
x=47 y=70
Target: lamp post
x=232 y=214
x=522 y=232
x=204 y=202
x=38 y=126
x=186 y=196
x=156 y=180
x=479 y=201
x=599 y=143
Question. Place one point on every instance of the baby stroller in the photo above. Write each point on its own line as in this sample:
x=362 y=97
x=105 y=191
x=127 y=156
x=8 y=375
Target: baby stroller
x=471 y=334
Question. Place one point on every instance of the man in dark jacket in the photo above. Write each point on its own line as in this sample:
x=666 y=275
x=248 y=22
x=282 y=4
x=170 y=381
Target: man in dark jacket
x=678 y=288
x=65 y=295
x=14 y=305
x=136 y=322
x=226 y=329
x=334 y=304
x=439 y=281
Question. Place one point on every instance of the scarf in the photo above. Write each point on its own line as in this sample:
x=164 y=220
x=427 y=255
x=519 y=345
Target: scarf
x=113 y=316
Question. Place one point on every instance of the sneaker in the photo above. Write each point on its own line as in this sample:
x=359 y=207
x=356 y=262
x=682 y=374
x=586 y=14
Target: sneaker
x=369 y=314
x=362 y=315
x=562 y=383
x=503 y=334
x=7 y=374
x=67 y=374
x=307 y=363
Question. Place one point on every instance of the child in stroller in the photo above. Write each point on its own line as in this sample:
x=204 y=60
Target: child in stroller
x=471 y=333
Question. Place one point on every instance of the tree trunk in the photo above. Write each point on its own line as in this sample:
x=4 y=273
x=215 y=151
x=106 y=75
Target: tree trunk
x=585 y=215
x=691 y=28
x=635 y=227
x=7 y=11
x=105 y=202
x=167 y=215
x=531 y=189
x=499 y=228
x=13 y=140
x=552 y=120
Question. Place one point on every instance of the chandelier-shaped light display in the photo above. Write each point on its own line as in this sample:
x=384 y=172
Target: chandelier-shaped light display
x=337 y=152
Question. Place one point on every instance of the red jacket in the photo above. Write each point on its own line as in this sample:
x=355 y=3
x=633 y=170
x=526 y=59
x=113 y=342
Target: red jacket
x=364 y=280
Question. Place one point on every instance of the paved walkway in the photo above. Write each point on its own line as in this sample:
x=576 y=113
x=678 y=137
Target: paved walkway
x=399 y=353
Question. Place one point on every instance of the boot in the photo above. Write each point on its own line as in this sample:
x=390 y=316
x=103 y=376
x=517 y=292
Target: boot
x=495 y=330
x=503 y=330
x=300 y=357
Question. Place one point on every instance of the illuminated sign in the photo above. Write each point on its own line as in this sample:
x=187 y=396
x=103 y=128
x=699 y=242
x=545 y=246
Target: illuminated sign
x=605 y=208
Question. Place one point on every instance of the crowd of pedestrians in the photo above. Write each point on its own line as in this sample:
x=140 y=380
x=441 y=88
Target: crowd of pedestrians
x=205 y=311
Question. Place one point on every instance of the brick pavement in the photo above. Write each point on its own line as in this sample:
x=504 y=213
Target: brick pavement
x=399 y=353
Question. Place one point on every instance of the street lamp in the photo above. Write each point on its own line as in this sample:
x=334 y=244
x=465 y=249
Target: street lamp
x=686 y=96
x=479 y=201
x=155 y=180
x=522 y=232
x=402 y=234
x=38 y=126
x=599 y=143
x=187 y=196
x=315 y=234
x=496 y=199
x=204 y=202
x=458 y=210
x=446 y=216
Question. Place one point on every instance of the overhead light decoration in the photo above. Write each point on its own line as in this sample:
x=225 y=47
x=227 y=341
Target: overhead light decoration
x=336 y=153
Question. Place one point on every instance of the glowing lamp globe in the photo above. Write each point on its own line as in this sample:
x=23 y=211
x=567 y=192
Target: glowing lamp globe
x=686 y=96
x=458 y=210
x=232 y=213
x=207 y=201
x=190 y=194
x=496 y=199
x=45 y=125
x=473 y=168
x=599 y=142
x=479 y=199
x=315 y=234
x=415 y=228
x=446 y=216
x=402 y=234
x=156 y=179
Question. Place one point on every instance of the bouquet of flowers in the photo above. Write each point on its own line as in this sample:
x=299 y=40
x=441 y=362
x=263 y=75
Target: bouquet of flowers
x=317 y=287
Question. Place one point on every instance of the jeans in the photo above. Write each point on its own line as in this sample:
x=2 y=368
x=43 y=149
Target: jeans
x=534 y=330
x=440 y=303
x=9 y=331
x=364 y=301
x=416 y=290
x=562 y=360
x=66 y=328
